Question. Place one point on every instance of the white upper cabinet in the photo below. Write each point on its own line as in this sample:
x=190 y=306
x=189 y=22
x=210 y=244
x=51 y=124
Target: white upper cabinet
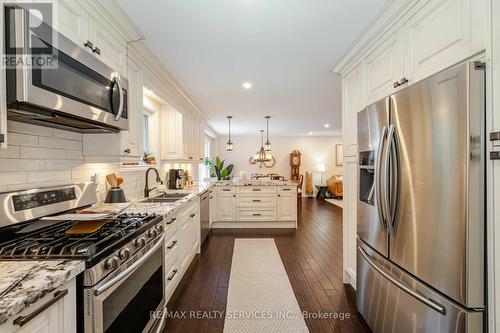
x=72 y=21
x=442 y=33
x=382 y=67
x=171 y=134
x=82 y=25
x=108 y=46
x=135 y=110
x=352 y=97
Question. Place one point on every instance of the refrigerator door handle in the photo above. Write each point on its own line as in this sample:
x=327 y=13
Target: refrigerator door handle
x=393 y=182
x=430 y=303
x=378 y=188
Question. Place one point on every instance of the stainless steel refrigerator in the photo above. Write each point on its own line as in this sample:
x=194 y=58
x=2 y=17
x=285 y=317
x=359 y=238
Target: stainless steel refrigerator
x=421 y=224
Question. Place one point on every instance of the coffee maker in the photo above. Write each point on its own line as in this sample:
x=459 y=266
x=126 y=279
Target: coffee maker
x=175 y=179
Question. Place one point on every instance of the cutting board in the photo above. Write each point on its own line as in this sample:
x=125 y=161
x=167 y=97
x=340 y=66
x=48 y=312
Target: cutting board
x=86 y=227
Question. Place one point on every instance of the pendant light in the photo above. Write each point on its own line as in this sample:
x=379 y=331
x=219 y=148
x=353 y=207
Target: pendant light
x=229 y=144
x=263 y=158
x=267 y=146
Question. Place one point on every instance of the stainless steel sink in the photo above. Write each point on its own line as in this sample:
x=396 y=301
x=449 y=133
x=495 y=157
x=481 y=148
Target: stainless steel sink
x=172 y=195
x=165 y=197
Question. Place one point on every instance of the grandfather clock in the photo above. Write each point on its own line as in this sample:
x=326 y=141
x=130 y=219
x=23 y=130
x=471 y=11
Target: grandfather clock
x=295 y=164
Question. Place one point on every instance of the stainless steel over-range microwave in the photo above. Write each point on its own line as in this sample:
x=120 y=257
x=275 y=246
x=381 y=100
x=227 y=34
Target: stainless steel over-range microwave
x=54 y=82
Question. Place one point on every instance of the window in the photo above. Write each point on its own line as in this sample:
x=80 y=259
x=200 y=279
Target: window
x=146 y=131
x=204 y=170
x=150 y=126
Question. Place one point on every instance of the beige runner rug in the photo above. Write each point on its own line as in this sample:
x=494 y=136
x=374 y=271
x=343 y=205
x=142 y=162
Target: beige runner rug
x=260 y=296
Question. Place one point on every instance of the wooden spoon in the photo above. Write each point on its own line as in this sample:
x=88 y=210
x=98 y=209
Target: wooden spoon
x=119 y=180
x=111 y=178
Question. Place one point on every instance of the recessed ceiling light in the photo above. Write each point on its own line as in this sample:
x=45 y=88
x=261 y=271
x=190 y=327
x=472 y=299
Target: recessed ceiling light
x=247 y=85
x=326 y=125
x=310 y=133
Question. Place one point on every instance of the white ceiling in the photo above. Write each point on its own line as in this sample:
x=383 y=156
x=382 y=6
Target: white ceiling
x=285 y=48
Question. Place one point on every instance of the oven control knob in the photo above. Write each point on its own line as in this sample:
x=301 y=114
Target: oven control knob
x=111 y=263
x=159 y=228
x=124 y=254
x=140 y=242
x=152 y=233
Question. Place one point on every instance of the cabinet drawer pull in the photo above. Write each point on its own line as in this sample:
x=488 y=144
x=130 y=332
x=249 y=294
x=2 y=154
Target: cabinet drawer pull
x=256 y=189
x=211 y=197
x=256 y=214
x=256 y=200
x=172 y=220
x=495 y=136
x=173 y=274
x=23 y=320
x=172 y=244
x=286 y=189
x=193 y=215
x=400 y=82
x=226 y=189
x=127 y=151
x=89 y=44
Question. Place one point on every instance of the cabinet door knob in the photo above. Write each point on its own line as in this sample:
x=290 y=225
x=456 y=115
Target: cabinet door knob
x=127 y=151
x=96 y=50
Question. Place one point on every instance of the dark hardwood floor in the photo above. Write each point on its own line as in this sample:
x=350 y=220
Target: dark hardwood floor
x=312 y=256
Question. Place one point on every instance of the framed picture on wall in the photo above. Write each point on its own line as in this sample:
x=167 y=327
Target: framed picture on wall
x=339 y=155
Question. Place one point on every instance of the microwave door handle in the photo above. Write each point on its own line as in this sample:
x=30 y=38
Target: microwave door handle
x=130 y=269
x=116 y=80
x=378 y=188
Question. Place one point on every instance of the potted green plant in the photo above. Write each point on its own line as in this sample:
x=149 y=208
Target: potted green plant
x=149 y=158
x=223 y=173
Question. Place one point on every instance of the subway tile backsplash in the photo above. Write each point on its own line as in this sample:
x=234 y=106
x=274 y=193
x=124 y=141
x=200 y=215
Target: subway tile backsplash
x=39 y=156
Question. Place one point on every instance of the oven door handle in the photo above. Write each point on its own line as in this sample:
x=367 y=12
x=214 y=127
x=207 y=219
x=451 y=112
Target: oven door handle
x=130 y=269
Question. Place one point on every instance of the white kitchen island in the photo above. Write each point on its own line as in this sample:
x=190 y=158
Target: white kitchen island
x=253 y=204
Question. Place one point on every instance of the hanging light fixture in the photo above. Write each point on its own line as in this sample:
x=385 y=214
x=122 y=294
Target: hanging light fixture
x=267 y=146
x=262 y=157
x=229 y=144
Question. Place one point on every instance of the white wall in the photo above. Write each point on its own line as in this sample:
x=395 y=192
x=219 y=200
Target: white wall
x=315 y=150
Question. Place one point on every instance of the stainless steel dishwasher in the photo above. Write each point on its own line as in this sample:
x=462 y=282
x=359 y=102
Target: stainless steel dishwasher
x=205 y=215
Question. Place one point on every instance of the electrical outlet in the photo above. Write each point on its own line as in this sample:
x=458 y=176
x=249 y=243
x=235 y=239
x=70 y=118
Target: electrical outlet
x=95 y=178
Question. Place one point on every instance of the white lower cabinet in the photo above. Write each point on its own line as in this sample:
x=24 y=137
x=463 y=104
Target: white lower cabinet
x=226 y=206
x=59 y=317
x=246 y=204
x=287 y=207
x=182 y=243
x=251 y=214
x=213 y=206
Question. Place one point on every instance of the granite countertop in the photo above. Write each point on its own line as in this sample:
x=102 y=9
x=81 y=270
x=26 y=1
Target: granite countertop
x=255 y=183
x=31 y=280
x=166 y=209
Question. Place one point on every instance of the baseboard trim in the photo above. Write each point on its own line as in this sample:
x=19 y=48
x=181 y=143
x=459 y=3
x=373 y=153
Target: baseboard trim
x=252 y=225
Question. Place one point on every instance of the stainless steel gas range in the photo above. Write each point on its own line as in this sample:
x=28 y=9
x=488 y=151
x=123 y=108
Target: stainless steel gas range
x=123 y=283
